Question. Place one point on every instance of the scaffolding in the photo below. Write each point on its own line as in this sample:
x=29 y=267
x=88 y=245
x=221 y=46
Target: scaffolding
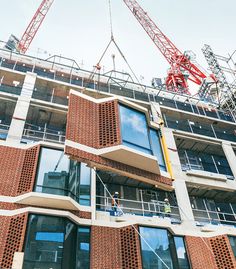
x=224 y=69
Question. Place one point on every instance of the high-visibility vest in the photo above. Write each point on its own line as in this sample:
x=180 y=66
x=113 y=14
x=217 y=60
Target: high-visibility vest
x=167 y=208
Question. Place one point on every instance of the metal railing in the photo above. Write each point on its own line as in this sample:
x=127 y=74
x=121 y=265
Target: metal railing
x=205 y=162
x=105 y=83
x=200 y=128
x=44 y=134
x=133 y=207
x=206 y=216
x=10 y=89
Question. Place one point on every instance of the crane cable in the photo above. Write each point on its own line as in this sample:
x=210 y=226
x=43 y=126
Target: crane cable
x=135 y=229
x=112 y=40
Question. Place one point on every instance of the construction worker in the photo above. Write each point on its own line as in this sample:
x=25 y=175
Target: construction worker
x=115 y=202
x=167 y=208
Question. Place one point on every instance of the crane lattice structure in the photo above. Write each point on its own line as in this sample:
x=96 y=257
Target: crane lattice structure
x=181 y=67
x=226 y=90
x=34 y=25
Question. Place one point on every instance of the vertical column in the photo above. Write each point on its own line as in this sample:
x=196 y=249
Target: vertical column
x=179 y=183
x=18 y=260
x=156 y=111
x=93 y=193
x=21 y=109
x=183 y=201
x=230 y=156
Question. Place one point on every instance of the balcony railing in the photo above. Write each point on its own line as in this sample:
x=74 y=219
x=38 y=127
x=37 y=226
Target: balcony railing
x=191 y=160
x=132 y=207
x=210 y=130
x=10 y=89
x=105 y=83
x=203 y=217
x=31 y=133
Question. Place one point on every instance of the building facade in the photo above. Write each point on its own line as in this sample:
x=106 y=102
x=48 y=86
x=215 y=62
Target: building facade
x=99 y=172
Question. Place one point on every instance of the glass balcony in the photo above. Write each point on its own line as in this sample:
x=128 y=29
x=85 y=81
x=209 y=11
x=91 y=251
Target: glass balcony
x=216 y=129
x=213 y=208
x=192 y=160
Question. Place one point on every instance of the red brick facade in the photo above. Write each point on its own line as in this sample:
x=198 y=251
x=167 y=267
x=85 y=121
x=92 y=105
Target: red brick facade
x=113 y=248
x=93 y=124
x=97 y=125
x=12 y=234
x=18 y=168
x=210 y=253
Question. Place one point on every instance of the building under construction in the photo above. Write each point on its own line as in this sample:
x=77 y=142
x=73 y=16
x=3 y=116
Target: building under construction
x=101 y=172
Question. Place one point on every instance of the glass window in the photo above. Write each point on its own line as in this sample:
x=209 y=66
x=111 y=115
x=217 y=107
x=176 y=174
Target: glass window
x=158 y=240
x=181 y=252
x=83 y=248
x=55 y=242
x=84 y=189
x=57 y=174
x=157 y=148
x=44 y=243
x=170 y=249
x=134 y=129
x=53 y=171
x=232 y=240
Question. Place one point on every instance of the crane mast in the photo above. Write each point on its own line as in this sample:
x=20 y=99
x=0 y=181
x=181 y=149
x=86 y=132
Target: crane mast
x=34 y=25
x=181 y=67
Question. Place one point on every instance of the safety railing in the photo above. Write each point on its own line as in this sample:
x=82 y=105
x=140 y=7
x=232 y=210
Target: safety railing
x=133 y=207
x=203 y=217
x=10 y=89
x=199 y=128
x=192 y=160
x=42 y=134
x=105 y=83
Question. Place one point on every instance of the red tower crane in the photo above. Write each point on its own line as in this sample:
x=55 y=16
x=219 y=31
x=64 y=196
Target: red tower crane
x=34 y=25
x=181 y=67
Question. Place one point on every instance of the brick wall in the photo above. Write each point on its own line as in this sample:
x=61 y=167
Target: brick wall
x=18 y=168
x=91 y=124
x=113 y=248
x=12 y=235
x=210 y=253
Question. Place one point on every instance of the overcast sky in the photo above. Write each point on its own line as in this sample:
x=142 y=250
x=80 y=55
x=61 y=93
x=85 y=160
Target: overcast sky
x=80 y=29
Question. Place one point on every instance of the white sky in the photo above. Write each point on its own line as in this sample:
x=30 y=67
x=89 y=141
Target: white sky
x=80 y=29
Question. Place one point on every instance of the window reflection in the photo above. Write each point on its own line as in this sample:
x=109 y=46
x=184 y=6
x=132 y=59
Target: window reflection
x=137 y=135
x=232 y=240
x=57 y=243
x=158 y=240
x=157 y=148
x=57 y=174
x=134 y=129
x=181 y=252
x=171 y=251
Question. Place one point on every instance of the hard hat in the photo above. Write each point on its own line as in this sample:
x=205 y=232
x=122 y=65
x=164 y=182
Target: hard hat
x=116 y=192
x=166 y=200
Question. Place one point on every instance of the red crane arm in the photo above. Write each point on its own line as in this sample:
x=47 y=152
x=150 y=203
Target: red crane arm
x=173 y=55
x=34 y=25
